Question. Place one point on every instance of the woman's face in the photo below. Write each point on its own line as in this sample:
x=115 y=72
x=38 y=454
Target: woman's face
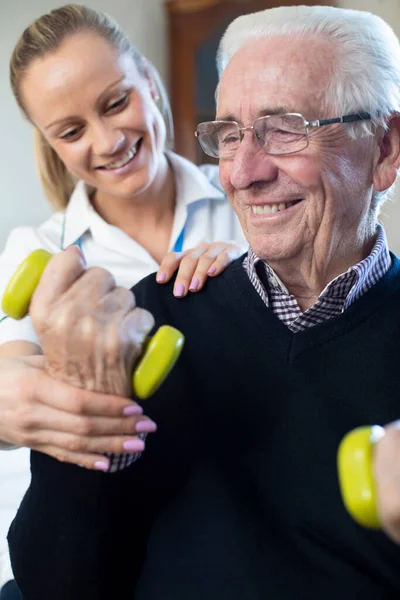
x=98 y=113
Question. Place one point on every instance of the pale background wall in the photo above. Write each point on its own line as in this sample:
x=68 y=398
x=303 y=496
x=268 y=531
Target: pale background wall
x=21 y=199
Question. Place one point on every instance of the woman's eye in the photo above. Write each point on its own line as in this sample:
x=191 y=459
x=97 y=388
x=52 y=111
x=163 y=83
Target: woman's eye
x=70 y=134
x=117 y=104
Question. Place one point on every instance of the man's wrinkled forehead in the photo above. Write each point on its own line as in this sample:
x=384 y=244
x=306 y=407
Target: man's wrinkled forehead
x=282 y=71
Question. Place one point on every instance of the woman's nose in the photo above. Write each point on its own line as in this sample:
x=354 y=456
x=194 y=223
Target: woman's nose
x=107 y=140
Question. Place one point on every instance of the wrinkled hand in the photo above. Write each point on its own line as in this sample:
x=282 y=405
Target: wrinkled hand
x=67 y=423
x=90 y=331
x=195 y=265
x=91 y=335
x=386 y=466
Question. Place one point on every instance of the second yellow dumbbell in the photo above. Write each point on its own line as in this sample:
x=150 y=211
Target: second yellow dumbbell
x=160 y=353
x=356 y=479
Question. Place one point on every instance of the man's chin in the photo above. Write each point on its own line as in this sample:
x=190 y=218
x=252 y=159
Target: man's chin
x=272 y=251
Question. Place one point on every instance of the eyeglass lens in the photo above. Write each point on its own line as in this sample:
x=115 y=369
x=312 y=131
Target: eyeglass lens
x=276 y=134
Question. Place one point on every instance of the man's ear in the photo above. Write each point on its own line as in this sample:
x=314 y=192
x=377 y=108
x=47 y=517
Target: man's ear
x=388 y=162
x=152 y=86
x=146 y=71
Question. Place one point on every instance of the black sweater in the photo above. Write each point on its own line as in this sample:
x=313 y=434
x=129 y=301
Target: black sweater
x=236 y=496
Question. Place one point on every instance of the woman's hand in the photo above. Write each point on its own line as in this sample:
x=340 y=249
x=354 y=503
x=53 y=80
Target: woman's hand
x=196 y=264
x=70 y=424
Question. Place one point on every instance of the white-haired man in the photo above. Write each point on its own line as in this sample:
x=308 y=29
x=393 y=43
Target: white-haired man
x=236 y=495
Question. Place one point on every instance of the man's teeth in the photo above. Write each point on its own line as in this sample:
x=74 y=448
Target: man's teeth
x=124 y=160
x=270 y=208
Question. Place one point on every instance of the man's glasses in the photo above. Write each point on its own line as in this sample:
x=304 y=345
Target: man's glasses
x=277 y=134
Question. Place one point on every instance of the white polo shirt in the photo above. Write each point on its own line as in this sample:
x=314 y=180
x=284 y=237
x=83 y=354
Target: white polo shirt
x=202 y=213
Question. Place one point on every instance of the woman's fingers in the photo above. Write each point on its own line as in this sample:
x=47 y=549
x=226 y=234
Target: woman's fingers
x=53 y=413
x=194 y=266
x=32 y=423
x=62 y=396
x=93 y=452
x=69 y=443
x=169 y=265
x=96 y=462
x=212 y=263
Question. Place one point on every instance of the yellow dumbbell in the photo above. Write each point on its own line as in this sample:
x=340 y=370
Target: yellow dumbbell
x=356 y=479
x=160 y=353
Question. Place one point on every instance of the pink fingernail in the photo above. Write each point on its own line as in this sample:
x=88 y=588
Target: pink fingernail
x=146 y=426
x=211 y=270
x=194 y=284
x=179 y=290
x=160 y=277
x=135 y=409
x=101 y=466
x=134 y=445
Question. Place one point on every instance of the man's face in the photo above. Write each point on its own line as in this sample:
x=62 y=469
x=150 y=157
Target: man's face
x=309 y=203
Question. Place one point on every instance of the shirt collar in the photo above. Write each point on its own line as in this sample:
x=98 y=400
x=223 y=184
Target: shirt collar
x=77 y=215
x=349 y=285
x=192 y=185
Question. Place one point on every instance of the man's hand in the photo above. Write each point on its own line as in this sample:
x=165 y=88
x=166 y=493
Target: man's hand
x=91 y=335
x=90 y=330
x=387 y=477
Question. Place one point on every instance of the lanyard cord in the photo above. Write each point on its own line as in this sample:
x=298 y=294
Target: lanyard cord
x=178 y=246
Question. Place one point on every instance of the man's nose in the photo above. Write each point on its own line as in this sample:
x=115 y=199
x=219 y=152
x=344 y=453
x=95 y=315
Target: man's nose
x=251 y=163
x=107 y=140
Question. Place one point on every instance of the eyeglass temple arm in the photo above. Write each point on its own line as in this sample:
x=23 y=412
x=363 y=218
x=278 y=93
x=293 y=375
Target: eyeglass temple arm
x=345 y=119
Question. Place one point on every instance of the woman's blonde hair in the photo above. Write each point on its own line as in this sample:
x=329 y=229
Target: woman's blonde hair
x=45 y=35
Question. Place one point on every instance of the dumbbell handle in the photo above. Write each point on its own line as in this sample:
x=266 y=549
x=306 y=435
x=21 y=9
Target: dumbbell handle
x=355 y=472
x=160 y=353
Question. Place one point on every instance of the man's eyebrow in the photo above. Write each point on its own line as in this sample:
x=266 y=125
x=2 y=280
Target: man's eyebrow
x=277 y=110
x=261 y=113
x=72 y=117
x=226 y=117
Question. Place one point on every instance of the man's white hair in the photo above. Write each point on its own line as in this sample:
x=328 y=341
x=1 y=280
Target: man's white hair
x=367 y=71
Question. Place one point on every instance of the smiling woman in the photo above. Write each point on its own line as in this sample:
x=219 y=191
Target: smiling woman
x=103 y=138
x=99 y=115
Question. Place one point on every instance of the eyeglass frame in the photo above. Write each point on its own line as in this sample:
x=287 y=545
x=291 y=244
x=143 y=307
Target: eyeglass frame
x=351 y=118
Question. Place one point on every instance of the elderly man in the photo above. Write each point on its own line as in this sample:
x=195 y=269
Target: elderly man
x=236 y=495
